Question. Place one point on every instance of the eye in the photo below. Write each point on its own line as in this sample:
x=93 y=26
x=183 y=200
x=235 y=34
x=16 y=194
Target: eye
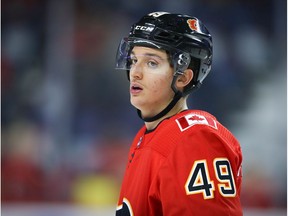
x=132 y=61
x=152 y=64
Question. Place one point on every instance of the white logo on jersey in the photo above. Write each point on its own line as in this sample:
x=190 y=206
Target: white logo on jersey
x=190 y=120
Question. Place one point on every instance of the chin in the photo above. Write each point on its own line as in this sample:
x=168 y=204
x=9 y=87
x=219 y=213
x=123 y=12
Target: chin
x=136 y=102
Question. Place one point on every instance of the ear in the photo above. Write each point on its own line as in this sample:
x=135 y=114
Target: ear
x=184 y=79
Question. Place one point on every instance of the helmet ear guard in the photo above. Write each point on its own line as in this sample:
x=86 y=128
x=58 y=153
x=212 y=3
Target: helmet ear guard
x=181 y=62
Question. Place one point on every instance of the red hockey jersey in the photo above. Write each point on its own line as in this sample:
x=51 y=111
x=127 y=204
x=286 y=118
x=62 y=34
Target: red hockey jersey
x=189 y=165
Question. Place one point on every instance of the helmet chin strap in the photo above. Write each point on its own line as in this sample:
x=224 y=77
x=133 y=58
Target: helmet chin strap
x=176 y=98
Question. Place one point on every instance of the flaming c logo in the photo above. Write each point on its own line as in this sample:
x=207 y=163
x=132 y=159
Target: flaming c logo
x=193 y=24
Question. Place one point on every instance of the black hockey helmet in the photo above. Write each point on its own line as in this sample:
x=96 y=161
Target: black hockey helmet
x=185 y=38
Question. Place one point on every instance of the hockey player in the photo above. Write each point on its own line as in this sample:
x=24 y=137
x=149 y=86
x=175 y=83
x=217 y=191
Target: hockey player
x=181 y=162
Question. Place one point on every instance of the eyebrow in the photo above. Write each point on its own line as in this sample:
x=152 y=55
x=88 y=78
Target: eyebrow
x=150 y=55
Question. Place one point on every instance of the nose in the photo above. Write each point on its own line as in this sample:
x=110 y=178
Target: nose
x=136 y=71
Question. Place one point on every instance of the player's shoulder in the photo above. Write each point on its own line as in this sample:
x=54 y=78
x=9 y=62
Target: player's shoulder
x=203 y=124
x=172 y=131
x=193 y=122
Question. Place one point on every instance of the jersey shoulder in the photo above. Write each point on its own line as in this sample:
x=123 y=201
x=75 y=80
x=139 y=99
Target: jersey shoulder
x=171 y=131
x=204 y=126
x=192 y=123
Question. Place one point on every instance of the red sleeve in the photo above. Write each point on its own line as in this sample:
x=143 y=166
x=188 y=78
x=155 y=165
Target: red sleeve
x=200 y=177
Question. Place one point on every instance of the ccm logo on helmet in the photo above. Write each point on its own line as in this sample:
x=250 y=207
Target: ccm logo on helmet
x=144 y=28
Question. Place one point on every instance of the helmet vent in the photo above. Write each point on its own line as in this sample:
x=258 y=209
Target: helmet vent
x=167 y=37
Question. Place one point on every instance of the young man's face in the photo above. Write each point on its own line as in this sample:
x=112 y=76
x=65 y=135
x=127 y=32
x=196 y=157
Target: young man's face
x=150 y=80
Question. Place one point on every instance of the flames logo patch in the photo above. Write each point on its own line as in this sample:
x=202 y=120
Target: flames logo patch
x=193 y=24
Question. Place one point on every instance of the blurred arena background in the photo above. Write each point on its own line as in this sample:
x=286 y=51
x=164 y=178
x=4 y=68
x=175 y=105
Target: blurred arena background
x=66 y=120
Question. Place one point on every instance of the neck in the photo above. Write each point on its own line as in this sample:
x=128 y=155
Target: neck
x=179 y=107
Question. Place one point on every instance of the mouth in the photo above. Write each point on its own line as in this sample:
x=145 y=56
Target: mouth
x=135 y=88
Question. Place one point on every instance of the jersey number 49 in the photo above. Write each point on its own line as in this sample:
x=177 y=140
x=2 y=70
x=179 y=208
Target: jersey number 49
x=199 y=180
